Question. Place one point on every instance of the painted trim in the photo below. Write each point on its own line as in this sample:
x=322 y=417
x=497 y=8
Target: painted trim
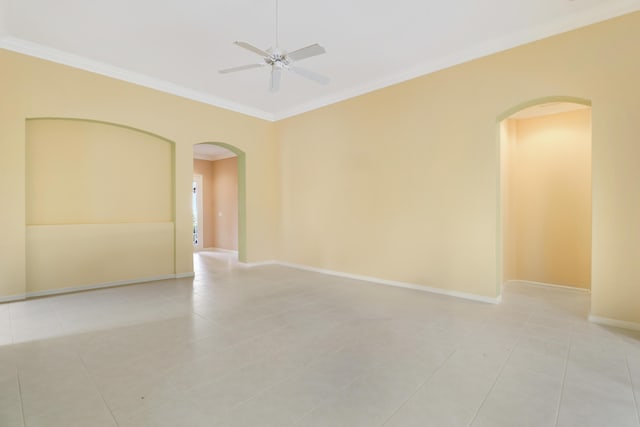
x=602 y=12
x=375 y=280
x=551 y=285
x=258 y=264
x=227 y=251
x=13 y=298
x=539 y=101
x=184 y=275
x=99 y=286
x=37 y=50
x=623 y=324
x=242 y=196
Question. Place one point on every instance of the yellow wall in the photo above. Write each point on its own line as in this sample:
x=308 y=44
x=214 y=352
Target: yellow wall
x=33 y=88
x=81 y=172
x=225 y=203
x=99 y=204
x=71 y=255
x=550 y=192
x=507 y=254
x=402 y=183
x=220 y=202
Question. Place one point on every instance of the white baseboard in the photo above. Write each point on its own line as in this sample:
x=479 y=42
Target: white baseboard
x=550 y=285
x=228 y=251
x=103 y=285
x=457 y=294
x=13 y=298
x=605 y=321
x=182 y=275
x=257 y=264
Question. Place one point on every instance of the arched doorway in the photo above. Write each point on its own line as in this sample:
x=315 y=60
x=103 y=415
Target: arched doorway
x=544 y=193
x=241 y=193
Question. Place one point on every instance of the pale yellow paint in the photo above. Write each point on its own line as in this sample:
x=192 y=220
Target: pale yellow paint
x=33 y=88
x=65 y=256
x=548 y=208
x=508 y=197
x=81 y=172
x=401 y=183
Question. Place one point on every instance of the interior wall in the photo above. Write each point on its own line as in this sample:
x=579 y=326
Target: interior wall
x=220 y=202
x=508 y=198
x=99 y=204
x=402 y=183
x=552 y=213
x=81 y=172
x=225 y=203
x=34 y=88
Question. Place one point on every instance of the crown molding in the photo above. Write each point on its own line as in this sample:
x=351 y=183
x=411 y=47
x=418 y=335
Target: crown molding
x=602 y=12
x=76 y=61
x=592 y=16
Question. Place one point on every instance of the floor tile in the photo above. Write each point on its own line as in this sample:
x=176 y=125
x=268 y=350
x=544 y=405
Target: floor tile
x=272 y=345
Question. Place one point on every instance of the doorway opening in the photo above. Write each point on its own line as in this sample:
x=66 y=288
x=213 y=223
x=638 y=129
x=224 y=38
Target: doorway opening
x=222 y=226
x=197 y=212
x=545 y=194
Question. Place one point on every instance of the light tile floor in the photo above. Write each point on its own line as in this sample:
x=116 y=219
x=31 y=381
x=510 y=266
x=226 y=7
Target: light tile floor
x=274 y=346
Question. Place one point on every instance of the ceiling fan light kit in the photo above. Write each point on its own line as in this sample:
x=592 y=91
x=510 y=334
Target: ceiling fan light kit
x=280 y=60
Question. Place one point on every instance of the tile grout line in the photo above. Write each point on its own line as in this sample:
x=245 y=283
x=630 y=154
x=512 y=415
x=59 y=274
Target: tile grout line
x=323 y=401
x=24 y=419
x=515 y=344
x=564 y=379
x=633 y=389
x=342 y=389
x=420 y=386
x=301 y=370
x=93 y=381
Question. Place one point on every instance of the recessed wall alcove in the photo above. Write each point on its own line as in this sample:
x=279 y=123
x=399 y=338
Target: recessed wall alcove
x=99 y=205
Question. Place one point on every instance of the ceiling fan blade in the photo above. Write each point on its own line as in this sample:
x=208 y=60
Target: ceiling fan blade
x=252 y=48
x=318 y=78
x=306 y=52
x=240 y=68
x=276 y=73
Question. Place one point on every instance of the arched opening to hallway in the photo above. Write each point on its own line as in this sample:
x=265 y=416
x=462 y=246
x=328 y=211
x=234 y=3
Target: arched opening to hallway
x=545 y=193
x=219 y=204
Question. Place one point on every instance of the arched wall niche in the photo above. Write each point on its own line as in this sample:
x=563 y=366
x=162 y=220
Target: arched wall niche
x=100 y=205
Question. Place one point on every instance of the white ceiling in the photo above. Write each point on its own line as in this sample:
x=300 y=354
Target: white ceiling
x=178 y=45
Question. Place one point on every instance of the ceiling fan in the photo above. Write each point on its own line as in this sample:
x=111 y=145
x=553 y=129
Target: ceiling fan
x=279 y=60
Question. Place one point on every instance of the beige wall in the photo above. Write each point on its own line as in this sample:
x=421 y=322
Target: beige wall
x=550 y=199
x=225 y=204
x=402 y=183
x=99 y=204
x=33 y=88
x=81 y=172
x=220 y=202
x=507 y=254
